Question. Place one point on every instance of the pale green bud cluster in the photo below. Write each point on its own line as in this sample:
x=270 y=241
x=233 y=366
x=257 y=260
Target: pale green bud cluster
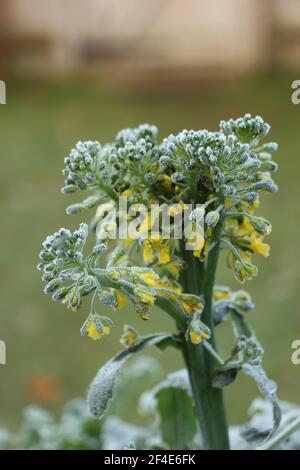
x=247 y=129
x=81 y=166
x=250 y=348
x=225 y=163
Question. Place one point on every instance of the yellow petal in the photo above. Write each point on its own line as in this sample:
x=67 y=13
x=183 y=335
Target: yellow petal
x=195 y=338
x=259 y=247
x=121 y=300
x=147 y=252
x=164 y=256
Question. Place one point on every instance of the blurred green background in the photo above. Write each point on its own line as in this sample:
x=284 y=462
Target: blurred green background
x=47 y=360
x=162 y=62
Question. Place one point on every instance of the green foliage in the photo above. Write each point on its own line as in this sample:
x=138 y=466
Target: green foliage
x=171 y=400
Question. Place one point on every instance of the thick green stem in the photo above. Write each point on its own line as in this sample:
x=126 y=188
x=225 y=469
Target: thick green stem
x=209 y=403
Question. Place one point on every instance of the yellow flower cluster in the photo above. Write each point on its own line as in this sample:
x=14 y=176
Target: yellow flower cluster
x=245 y=233
x=252 y=238
x=156 y=248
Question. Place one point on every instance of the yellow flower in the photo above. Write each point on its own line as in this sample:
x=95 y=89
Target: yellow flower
x=174 y=268
x=257 y=246
x=127 y=192
x=166 y=182
x=191 y=309
x=246 y=256
x=149 y=277
x=196 y=338
x=255 y=203
x=114 y=275
x=198 y=331
x=250 y=239
x=244 y=272
x=191 y=304
x=145 y=296
x=245 y=228
x=152 y=200
x=147 y=252
x=129 y=336
x=73 y=300
x=158 y=247
x=222 y=294
x=176 y=209
x=231 y=259
x=143 y=312
x=197 y=240
x=164 y=255
x=94 y=333
x=121 y=300
x=228 y=203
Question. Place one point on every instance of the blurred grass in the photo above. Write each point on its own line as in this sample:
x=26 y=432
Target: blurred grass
x=39 y=124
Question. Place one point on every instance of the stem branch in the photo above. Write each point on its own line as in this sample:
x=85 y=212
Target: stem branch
x=209 y=403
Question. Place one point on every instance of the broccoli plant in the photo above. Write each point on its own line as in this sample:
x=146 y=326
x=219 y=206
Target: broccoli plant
x=209 y=185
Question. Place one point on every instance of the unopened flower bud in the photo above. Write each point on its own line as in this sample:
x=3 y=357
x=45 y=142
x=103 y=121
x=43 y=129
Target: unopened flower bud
x=165 y=160
x=99 y=249
x=270 y=147
x=212 y=218
x=52 y=285
x=261 y=225
x=74 y=209
x=60 y=294
x=70 y=188
x=107 y=298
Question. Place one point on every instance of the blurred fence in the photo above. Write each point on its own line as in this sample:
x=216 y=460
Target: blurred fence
x=218 y=37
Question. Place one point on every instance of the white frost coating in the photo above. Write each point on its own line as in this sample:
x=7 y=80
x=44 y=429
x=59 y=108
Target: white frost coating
x=268 y=388
x=178 y=379
x=101 y=388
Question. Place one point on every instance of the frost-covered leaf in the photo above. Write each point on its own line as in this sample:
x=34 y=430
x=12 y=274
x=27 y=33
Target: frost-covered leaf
x=268 y=389
x=221 y=309
x=248 y=355
x=224 y=377
x=238 y=302
x=177 y=424
x=172 y=403
x=287 y=437
x=101 y=388
x=141 y=373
